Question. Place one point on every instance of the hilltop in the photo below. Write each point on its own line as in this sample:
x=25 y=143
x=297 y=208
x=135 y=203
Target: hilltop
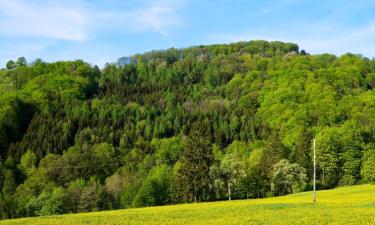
x=174 y=126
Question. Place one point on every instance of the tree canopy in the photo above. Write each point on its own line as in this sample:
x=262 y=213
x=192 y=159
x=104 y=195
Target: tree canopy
x=180 y=125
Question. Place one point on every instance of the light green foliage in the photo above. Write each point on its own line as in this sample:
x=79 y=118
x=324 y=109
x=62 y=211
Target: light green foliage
x=114 y=185
x=228 y=174
x=256 y=179
x=339 y=152
x=287 y=178
x=28 y=161
x=168 y=150
x=43 y=88
x=105 y=155
x=155 y=189
x=368 y=166
x=328 y=150
x=74 y=191
x=179 y=125
x=49 y=203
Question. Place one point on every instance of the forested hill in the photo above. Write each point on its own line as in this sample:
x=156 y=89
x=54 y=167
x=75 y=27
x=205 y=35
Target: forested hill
x=182 y=125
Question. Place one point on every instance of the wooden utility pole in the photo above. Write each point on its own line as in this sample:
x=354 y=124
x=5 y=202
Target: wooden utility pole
x=229 y=192
x=314 y=176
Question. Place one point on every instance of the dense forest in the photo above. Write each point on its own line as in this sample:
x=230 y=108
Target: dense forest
x=203 y=123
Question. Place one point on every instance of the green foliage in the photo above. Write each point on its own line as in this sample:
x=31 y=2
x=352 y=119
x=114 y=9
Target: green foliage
x=10 y=65
x=167 y=150
x=128 y=194
x=302 y=153
x=227 y=174
x=155 y=189
x=287 y=178
x=74 y=191
x=9 y=183
x=114 y=185
x=257 y=179
x=178 y=125
x=193 y=174
x=91 y=196
x=28 y=161
x=368 y=166
x=21 y=61
x=49 y=203
x=328 y=156
x=370 y=78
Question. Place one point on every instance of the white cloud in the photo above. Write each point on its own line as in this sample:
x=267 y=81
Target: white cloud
x=342 y=40
x=68 y=29
x=79 y=20
x=43 y=20
x=157 y=16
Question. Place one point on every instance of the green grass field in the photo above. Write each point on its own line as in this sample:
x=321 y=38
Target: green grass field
x=346 y=205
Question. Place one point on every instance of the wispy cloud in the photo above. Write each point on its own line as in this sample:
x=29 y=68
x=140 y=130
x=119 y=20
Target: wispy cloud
x=80 y=20
x=96 y=31
x=341 y=40
x=43 y=20
x=156 y=16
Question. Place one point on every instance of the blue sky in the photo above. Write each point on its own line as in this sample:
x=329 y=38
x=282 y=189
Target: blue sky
x=102 y=31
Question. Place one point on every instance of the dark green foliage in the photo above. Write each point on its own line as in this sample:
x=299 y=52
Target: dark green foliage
x=302 y=152
x=370 y=78
x=178 y=125
x=9 y=184
x=10 y=65
x=193 y=175
x=91 y=197
x=21 y=61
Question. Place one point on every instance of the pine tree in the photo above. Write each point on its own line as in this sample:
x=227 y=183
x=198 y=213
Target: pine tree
x=302 y=153
x=274 y=152
x=193 y=177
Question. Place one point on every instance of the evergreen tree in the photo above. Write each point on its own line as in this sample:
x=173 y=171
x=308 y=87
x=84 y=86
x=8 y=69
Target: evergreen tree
x=303 y=151
x=193 y=176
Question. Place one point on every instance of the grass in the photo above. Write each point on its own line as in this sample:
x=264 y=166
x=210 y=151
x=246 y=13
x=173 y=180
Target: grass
x=345 y=205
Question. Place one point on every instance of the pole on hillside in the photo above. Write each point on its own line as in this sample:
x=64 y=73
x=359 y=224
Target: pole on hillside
x=314 y=176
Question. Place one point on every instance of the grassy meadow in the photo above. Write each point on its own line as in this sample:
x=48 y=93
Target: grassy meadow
x=345 y=205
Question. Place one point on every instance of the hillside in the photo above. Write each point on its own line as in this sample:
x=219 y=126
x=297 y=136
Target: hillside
x=199 y=124
x=346 y=205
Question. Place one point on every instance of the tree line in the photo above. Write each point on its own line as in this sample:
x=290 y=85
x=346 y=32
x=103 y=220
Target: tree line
x=204 y=123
